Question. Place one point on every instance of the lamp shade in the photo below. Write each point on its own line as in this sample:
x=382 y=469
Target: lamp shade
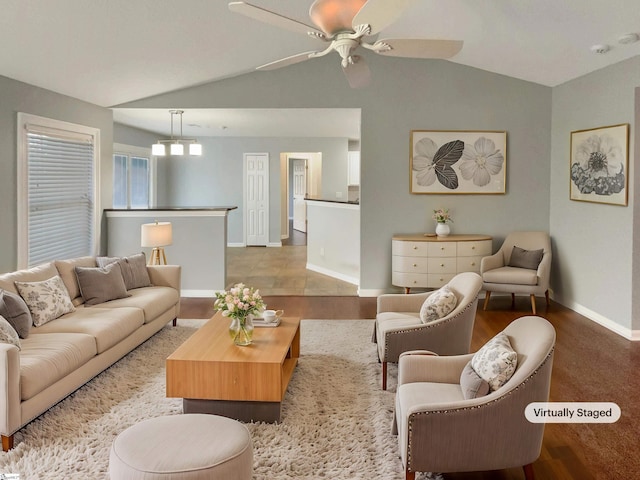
x=195 y=149
x=158 y=150
x=157 y=234
x=176 y=149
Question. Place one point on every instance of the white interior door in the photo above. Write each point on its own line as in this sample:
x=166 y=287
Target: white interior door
x=257 y=198
x=299 y=193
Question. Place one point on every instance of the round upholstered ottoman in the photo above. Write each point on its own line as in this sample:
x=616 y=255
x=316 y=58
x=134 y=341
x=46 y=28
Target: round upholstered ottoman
x=185 y=447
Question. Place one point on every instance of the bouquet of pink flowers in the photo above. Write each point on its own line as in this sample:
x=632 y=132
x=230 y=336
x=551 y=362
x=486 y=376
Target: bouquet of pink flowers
x=442 y=215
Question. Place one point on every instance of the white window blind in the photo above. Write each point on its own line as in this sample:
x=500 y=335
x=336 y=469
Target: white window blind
x=60 y=194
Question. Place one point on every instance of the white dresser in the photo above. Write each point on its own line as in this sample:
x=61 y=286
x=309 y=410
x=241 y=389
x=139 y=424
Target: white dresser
x=430 y=262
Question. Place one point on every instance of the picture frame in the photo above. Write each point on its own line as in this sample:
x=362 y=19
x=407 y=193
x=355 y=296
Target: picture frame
x=599 y=165
x=458 y=162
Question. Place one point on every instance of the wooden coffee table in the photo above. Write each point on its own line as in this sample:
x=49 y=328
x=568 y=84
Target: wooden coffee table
x=213 y=375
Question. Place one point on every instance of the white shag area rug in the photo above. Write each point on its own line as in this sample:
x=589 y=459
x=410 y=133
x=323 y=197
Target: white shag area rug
x=336 y=420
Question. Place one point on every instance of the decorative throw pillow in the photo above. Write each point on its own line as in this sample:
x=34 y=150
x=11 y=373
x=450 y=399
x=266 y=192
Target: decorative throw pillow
x=47 y=300
x=8 y=334
x=134 y=269
x=438 y=305
x=99 y=285
x=525 y=258
x=496 y=361
x=473 y=386
x=16 y=312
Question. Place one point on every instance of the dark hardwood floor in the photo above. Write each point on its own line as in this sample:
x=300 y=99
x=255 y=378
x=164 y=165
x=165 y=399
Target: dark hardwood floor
x=591 y=363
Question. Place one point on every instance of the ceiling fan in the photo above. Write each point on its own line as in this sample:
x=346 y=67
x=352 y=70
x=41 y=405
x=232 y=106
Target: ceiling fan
x=346 y=25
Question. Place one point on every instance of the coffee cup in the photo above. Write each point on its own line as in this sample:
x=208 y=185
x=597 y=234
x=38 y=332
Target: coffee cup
x=270 y=316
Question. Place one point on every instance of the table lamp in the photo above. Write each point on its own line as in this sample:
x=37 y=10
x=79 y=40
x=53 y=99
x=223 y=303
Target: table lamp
x=156 y=235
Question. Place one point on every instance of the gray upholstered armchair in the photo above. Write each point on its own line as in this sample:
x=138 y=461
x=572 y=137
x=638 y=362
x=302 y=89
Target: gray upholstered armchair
x=398 y=326
x=439 y=431
x=499 y=274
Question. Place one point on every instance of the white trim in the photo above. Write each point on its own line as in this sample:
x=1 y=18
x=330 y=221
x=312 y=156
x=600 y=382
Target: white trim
x=371 y=292
x=332 y=273
x=144 y=152
x=166 y=213
x=274 y=244
x=24 y=122
x=236 y=245
x=198 y=293
x=607 y=323
x=330 y=204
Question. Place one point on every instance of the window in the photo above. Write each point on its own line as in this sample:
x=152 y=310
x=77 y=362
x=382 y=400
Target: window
x=131 y=177
x=57 y=190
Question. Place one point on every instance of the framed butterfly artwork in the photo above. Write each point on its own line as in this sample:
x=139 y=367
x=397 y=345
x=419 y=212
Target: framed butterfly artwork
x=468 y=162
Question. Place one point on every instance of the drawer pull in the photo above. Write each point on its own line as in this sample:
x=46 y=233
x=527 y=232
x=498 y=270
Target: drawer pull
x=415 y=264
x=442 y=264
x=415 y=281
x=473 y=264
x=473 y=248
x=442 y=279
x=415 y=247
x=441 y=248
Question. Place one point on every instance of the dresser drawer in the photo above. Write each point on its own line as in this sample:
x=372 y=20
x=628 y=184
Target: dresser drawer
x=442 y=265
x=409 y=249
x=410 y=280
x=409 y=264
x=480 y=248
x=438 y=280
x=442 y=249
x=468 y=264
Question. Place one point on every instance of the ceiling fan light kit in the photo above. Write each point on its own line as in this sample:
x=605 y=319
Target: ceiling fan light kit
x=345 y=25
x=176 y=145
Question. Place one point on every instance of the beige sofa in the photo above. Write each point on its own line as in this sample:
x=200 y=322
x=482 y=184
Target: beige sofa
x=62 y=355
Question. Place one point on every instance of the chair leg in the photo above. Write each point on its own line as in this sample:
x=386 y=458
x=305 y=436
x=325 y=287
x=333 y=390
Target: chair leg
x=513 y=301
x=487 y=295
x=528 y=471
x=533 y=303
x=546 y=295
x=384 y=375
x=412 y=475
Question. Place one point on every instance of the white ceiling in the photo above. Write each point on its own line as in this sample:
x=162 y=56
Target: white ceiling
x=110 y=52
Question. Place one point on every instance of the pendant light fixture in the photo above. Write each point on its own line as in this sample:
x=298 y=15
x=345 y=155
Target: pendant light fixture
x=176 y=145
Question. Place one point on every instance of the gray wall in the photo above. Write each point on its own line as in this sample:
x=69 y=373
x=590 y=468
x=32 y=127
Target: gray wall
x=19 y=97
x=594 y=242
x=405 y=95
x=215 y=179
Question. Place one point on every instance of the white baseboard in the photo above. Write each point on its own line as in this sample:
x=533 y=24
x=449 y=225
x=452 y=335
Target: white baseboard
x=235 y=245
x=372 y=292
x=633 y=335
x=332 y=273
x=198 y=293
x=274 y=244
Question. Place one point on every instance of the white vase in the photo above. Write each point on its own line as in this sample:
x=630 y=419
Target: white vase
x=442 y=229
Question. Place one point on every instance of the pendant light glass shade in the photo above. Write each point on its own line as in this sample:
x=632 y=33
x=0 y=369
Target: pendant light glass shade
x=158 y=149
x=195 y=149
x=176 y=144
x=177 y=149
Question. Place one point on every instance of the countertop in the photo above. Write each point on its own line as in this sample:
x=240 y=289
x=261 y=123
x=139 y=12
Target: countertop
x=345 y=202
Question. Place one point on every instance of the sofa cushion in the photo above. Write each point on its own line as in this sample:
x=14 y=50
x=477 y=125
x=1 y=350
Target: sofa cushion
x=438 y=305
x=522 y=258
x=511 y=275
x=35 y=274
x=67 y=271
x=99 y=285
x=496 y=361
x=16 y=312
x=472 y=385
x=8 y=334
x=46 y=358
x=154 y=301
x=47 y=300
x=134 y=269
x=108 y=326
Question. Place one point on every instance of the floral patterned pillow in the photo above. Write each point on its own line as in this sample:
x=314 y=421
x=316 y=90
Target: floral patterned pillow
x=47 y=300
x=496 y=361
x=438 y=305
x=8 y=334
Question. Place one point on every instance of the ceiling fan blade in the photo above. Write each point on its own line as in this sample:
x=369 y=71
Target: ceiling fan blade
x=379 y=14
x=358 y=73
x=283 y=62
x=267 y=16
x=418 y=47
